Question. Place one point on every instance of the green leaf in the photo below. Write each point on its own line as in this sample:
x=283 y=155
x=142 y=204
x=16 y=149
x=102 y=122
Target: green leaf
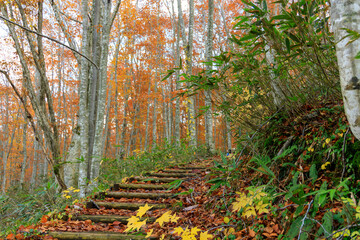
x=298 y=210
x=313 y=173
x=281 y=17
x=357 y=55
x=247 y=37
x=327 y=223
x=287 y=43
x=294 y=228
x=175 y=184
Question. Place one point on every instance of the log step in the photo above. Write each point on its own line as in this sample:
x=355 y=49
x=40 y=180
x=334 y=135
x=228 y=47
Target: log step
x=95 y=236
x=133 y=195
x=176 y=170
x=119 y=186
x=105 y=218
x=121 y=205
x=187 y=167
x=155 y=179
x=169 y=175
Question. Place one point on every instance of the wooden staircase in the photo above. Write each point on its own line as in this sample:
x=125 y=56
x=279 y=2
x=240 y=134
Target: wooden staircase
x=113 y=208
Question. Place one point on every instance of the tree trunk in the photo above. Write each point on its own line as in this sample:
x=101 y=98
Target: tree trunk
x=188 y=45
x=209 y=138
x=24 y=152
x=44 y=109
x=345 y=15
x=83 y=100
x=108 y=19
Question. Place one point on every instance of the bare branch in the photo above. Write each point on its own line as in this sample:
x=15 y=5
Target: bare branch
x=49 y=38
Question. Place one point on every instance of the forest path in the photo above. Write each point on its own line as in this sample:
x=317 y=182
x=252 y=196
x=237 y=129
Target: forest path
x=106 y=214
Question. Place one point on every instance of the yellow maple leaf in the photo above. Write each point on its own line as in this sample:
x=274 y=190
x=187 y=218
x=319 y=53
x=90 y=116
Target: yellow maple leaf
x=205 y=236
x=195 y=230
x=249 y=211
x=174 y=218
x=226 y=220
x=143 y=210
x=327 y=140
x=133 y=220
x=164 y=218
x=178 y=230
x=188 y=236
x=138 y=225
x=162 y=237
x=149 y=233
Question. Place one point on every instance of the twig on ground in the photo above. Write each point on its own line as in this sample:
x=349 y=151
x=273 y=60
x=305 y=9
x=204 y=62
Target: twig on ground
x=291 y=205
x=305 y=217
x=327 y=233
x=221 y=226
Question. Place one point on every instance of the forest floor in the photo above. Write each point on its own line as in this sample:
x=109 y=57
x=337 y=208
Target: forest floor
x=306 y=189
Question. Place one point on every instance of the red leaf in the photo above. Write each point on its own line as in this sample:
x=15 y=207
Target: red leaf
x=44 y=219
x=10 y=236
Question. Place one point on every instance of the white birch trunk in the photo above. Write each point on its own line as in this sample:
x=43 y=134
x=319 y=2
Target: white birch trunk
x=345 y=15
x=108 y=17
x=83 y=101
x=209 y=139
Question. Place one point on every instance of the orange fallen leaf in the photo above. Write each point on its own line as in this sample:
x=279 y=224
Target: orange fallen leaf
x=252 y=233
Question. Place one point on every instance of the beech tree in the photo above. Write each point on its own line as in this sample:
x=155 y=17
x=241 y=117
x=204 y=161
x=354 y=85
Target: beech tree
x=345 y=19
x=208 y=54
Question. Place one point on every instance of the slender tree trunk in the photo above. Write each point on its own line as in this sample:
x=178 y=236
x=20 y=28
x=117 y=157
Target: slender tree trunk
x=177 y=132
x=24 y=152
x=35 y=165
x=108 y=19
x=83 y=100
x=188 y=45
x=116 y=107
x=6 y=155
x=209 y=139
x=146 y=144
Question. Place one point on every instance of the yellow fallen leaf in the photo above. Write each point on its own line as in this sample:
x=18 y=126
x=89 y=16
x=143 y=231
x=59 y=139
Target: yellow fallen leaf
x=205 y=236
x=164 y=218
x=194 y=231
x=178 y=231
x=143 y=210
x=226 y=220
x=323 y=167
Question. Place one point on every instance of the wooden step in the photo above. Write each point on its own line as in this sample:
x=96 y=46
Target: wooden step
x=119 y=186
x=133 y=195
x=193 y=167
x=106 y=218
x=122 y=205
x=95 y=236
x=176 y=170
x=154 y=179
x=169 y=175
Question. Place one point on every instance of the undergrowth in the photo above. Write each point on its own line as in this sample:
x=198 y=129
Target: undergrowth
x=298 y=177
